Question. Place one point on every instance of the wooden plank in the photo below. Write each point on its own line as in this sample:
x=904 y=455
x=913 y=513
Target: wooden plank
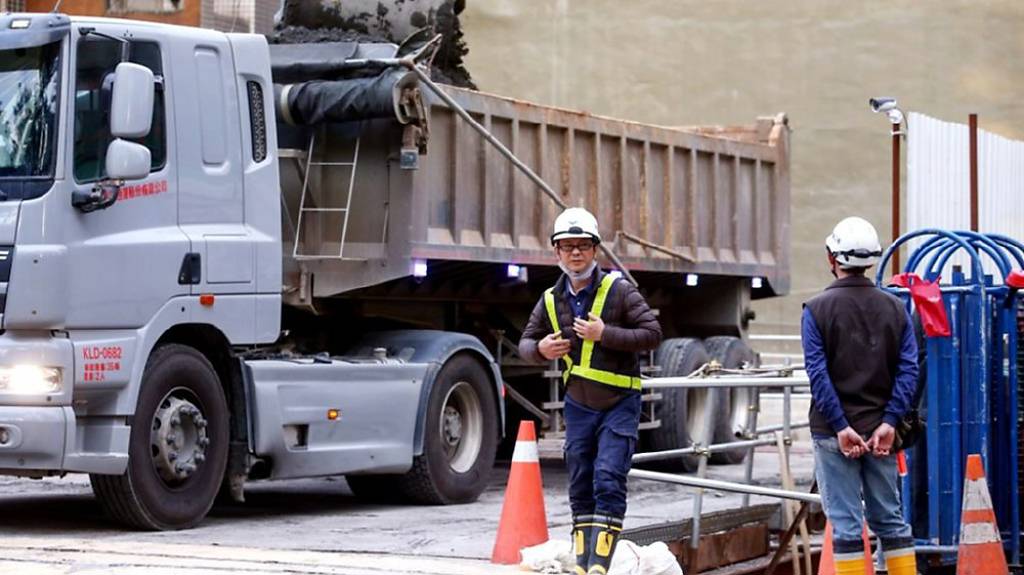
x=723 y=548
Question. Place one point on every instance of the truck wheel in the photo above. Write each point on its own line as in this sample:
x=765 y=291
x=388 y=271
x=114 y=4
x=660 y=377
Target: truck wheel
x=460 y=437
x=682 y=412
x=733 y=404
x=178 y=447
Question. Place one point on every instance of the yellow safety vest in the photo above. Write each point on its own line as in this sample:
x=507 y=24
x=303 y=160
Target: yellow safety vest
x=583 y=369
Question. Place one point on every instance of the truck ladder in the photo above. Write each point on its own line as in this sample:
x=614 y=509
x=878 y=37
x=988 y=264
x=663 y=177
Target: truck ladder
x=303 y=210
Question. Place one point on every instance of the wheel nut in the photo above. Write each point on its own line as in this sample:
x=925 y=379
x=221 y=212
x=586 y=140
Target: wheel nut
x=176 y=422
x=172 y=456
x=199 y=458
x=171 y=438
x=203 y=441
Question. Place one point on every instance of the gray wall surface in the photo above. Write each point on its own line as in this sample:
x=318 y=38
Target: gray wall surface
x=689 y=62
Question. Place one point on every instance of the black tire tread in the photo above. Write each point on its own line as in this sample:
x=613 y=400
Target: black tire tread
x=115 y=493
x=418 y=485
x=720 y=348
x=678 y=357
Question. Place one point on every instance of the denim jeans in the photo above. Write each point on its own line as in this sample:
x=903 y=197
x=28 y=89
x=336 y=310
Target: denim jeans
x=856 y=489
x=599 y=448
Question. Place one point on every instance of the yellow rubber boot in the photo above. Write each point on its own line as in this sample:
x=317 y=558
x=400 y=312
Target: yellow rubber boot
x=901 y=562
x=850 y=564
x=604 y=537
x=581 y=532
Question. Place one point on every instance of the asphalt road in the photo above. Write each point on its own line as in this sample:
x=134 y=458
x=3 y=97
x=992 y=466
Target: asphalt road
x=312 y=526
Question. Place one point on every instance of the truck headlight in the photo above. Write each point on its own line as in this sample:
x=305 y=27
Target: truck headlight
x=30 y=379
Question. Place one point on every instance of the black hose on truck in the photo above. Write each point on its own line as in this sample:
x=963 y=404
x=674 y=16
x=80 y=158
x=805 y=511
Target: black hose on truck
x=321 y=101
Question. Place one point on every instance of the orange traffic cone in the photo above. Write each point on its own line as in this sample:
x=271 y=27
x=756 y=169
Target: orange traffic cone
x=827 y=562
x=523 y=522
x=981 y=549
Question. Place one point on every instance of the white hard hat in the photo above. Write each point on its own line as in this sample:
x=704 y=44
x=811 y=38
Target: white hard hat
x=575 y=223
x=854 y=243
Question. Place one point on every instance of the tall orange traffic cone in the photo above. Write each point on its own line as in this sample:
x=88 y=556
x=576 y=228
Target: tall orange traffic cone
x=981 y=549
x=827 y=562
x=523 y=522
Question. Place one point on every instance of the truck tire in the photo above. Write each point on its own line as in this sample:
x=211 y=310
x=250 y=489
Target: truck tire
x=178 y=448
x=460 y=437
x=681 y=411
x=733 y=404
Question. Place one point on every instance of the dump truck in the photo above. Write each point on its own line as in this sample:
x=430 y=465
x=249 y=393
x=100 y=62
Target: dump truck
x=224 y=261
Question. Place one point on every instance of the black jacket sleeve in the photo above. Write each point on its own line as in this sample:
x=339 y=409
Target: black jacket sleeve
x=640 y=330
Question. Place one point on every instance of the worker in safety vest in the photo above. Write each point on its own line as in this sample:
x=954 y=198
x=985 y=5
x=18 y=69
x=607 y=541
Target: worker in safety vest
x=860 y=352
x=597 y=325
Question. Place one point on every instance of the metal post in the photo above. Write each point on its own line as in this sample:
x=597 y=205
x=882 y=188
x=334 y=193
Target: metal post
x=787 y=413
x=702 y=471
x=895 y=197
x=748 y=472
x=972 y=121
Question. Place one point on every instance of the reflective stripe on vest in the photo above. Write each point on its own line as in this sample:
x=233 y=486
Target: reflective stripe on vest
x=586 y=354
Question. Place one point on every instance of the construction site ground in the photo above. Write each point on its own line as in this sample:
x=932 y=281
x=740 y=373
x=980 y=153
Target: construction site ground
x=317 y=526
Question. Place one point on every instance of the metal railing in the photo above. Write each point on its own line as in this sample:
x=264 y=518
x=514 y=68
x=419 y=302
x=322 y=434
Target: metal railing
x=713 y=377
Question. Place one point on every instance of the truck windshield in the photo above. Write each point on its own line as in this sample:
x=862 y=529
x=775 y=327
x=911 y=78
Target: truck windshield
x=28 y=111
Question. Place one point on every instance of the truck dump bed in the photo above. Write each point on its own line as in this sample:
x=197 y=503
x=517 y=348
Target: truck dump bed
x=670 y=200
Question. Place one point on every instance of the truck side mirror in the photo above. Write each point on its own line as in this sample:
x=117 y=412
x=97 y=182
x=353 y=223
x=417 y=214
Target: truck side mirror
x=131 y=108
x=127 y=160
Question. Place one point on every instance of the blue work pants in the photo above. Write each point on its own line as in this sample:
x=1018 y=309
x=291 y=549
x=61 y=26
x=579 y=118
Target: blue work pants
x=599 y=448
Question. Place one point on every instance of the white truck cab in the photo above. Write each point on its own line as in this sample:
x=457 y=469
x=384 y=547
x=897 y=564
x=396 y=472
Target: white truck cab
x=141 y=257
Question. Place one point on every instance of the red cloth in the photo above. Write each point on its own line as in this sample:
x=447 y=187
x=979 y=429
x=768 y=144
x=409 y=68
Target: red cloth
x=928 y=299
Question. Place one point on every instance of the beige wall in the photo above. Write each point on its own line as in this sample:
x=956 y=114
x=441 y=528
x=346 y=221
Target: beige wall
x=684 y=62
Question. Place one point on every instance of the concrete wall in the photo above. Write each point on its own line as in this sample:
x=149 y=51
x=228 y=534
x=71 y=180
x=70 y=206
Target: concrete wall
x=685 y=62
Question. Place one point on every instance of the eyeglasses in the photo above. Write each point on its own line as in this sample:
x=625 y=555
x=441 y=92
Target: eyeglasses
x=569 y=248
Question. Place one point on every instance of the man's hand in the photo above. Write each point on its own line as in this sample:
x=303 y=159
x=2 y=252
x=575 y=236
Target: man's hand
x=852 y=444
x=553 y=346
x=881 y=440
x=589 y=330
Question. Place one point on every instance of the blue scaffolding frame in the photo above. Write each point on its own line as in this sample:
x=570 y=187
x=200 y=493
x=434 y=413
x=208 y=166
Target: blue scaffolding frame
x=971 y=401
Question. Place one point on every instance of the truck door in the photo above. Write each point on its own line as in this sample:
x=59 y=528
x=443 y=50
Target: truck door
x=211 y=199
x=124 y=260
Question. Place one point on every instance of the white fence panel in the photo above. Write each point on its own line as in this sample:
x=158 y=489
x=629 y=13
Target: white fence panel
x=938 y=182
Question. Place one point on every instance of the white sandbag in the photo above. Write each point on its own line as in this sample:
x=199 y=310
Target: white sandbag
x=656 y=559
x=552 y=556
x=627 y=558
x=557 y=556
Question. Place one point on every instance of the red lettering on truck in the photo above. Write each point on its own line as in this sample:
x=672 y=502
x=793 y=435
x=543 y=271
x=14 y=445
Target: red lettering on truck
x=143 y=189
x=94 y=352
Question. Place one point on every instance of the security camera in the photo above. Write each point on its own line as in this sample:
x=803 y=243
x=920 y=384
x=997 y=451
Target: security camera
x=888 y=107
x=882 y=104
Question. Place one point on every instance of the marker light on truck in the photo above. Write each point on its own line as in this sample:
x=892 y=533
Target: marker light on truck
x=691 y=279
x=419 y=268
x=20 y=23
x=30 y=379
